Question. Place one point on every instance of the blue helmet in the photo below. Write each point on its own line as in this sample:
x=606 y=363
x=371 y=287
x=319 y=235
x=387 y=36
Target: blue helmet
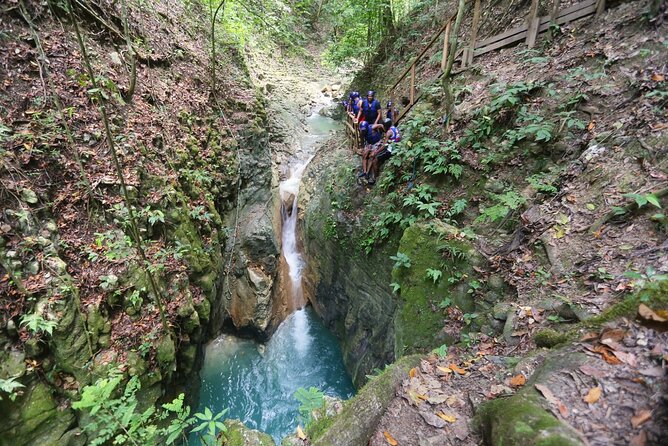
x=356 y=94
x=364 y=126
x=371 y=93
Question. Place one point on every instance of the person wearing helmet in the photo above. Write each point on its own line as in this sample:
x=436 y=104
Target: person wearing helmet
x=385 y=149
x=370 y=109
x=372 y=135
x=391 y=112
x=354 y=104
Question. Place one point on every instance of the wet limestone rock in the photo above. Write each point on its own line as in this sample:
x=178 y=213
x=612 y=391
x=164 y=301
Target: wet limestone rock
x=419 y=320
x=239 y=435
x=523 y=420
x=357 y=422
x=35 y=418
x=251 y=304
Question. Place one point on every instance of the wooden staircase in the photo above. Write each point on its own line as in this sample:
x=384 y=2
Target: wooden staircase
x=528 y=32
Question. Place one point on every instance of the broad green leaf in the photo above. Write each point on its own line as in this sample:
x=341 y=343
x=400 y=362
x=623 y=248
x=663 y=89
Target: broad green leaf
x=652 y=199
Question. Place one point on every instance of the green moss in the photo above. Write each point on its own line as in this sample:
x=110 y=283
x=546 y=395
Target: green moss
x=318 y=427
x=239 y=435
x=165 y=351
x=521 y=421
x=358 y=419
x=550 y=338
x=654 y=294
x=34 y=418
x=419 y=321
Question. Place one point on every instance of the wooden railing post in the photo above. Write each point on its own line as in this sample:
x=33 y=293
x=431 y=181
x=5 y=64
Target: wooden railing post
x=446 y=40
x=555 y=10
x=600 y=7
x=533 y=21
x=412 y=92
x=474 y=33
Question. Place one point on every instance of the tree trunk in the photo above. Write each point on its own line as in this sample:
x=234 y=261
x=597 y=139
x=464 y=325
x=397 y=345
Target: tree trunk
x=453 y=37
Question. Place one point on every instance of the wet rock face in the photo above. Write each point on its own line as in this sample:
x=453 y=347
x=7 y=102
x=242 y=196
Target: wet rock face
x=38 y=420
x=350 y=291
x=250 y=305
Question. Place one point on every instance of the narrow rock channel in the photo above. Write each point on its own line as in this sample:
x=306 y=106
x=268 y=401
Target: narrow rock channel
x=257 y=382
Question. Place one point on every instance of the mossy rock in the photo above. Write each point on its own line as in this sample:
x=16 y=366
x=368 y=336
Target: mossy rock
x=521 y=421
x=361 y=414
x=165 y=352
x=550 y=338
x=203 y=309
x=418 y=321
x=34 y=419
x=239 y=435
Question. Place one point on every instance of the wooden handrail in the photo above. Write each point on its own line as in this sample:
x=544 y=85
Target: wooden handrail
x=424 y=50
x=527 y=32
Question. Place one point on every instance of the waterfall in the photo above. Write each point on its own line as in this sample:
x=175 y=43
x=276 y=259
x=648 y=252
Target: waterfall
x=289 y=192
x=257 y=384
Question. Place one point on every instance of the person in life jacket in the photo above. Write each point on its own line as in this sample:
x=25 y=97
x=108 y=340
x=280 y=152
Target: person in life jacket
x=384 y=150
x=391 y=112
x=370 y=110
x=354 y=104
x=372 y=136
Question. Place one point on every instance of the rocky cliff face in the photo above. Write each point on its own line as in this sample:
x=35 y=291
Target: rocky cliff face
x=380 y=309
x=200 y=187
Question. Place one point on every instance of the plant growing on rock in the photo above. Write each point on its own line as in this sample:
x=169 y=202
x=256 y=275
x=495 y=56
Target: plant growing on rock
x=11 y=387
x=401 y=260
x=36 y=323
x=310 y=400
x=114 y=416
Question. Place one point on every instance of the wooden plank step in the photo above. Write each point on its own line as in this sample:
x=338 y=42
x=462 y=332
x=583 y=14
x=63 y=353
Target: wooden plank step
x=498 y=37
x=507 y=41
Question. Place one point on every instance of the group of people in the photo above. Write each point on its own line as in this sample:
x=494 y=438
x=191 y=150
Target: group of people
x=376 y=129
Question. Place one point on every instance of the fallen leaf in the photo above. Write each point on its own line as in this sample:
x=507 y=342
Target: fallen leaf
x=592 y=371
x=444 y=369
x=436 y=399
x=431 y=419
x=589 y=336
x=614 y=334
x=639 y=440
x=605 y=352
x=451 y=401
x=415 y=398
x=591 y=126
x=593 y=395
x=627 y=358
x=646 y=313
x=656 y=77
x=457 y=369
x=448 y=418
x=518 y=380
x=390 y=440
x=563 y=410
x=640 y=417
x=549 y=396
x=547 y=393
x=300 y=433
x=412 y=372
x=656 y=371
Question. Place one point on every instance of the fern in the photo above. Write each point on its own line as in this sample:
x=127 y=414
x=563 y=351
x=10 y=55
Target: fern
x=310 y=400
x=506 y=202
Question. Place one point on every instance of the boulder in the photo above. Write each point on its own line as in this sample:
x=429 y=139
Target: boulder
x=361 y=414
x=239 y=435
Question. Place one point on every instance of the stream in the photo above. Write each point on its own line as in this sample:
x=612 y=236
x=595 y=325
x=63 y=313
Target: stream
x=257 y=382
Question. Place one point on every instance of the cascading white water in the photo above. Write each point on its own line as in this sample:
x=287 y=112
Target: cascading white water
x=257 y=384
x=290 y=189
